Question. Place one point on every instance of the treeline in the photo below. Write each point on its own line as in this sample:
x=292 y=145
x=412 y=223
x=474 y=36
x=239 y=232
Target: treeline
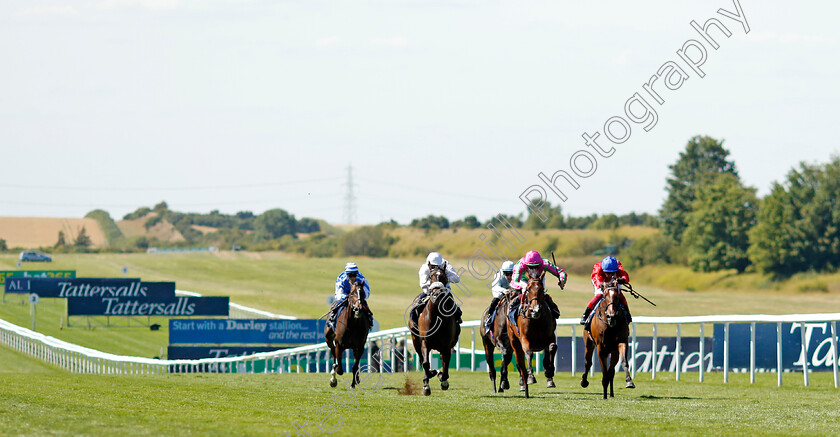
x=711 y=221
x=556 y=220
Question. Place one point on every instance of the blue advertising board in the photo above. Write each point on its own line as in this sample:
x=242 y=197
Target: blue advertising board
x=199 y=352
x=77 y=287
x=245 y=331
x=663 y=358
x=148 y=306
x=819 y=352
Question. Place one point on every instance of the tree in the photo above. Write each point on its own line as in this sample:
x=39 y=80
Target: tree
x=607 y=221
x=61 y=240
x=274 y=223
x=799 y=222
x=703 y=159
x=3 y=246
x=82 y=239
x=553 y=216
x=652 y=249
x=717 y=231
x=366 y=241
x=163 y=207
x=308 y=225
x=430 y=222
x=468 y=222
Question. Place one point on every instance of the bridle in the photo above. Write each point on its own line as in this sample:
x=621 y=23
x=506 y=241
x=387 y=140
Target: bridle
x=610 y=310
x=529 y=311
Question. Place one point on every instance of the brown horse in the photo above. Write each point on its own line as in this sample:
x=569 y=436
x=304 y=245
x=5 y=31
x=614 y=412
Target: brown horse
x=436 y=328
x=534 y=332
x=351 y=331
x=498 y=339
x=608 y=331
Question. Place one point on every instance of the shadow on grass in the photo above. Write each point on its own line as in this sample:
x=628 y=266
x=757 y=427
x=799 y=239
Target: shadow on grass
x=652 y=397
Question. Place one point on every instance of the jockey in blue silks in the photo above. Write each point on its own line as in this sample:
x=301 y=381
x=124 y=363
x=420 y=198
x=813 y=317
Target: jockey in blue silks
x=343 y=285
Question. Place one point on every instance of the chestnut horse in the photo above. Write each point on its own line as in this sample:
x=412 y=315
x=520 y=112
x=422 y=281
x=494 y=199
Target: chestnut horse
x=351 y=331
x=436 y=328
x=608 y=331
x=498 y=339
x=534 y=332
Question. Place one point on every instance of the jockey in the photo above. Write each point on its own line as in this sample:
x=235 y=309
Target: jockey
x=343 y=284
x=533 y=259
x=602 y=273
x=500 y=286
x=434 y=259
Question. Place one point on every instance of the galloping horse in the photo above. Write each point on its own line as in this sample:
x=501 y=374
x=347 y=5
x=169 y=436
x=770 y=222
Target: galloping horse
x=351 y=331
x=436 y=328
x=534 y=332
x=609 y=331
x=498 y=339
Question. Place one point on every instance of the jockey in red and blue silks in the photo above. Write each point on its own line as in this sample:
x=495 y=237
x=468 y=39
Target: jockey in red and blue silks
x=533 y=260
x=603 y=272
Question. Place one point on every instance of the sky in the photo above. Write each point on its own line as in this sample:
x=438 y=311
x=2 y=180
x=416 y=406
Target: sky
x=439 y=107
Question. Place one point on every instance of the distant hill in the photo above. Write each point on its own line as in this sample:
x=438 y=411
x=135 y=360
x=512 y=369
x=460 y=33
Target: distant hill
x=34 y=232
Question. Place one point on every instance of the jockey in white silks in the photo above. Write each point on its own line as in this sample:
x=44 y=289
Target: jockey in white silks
x=434 y=259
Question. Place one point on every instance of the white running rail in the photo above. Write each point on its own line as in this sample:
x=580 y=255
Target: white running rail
x=85 y=360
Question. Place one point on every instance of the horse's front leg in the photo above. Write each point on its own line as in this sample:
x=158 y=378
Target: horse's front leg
x=622 y=350
x=520 y=362
x=427 y=373
x=613 y=364
x=488 y=357
x=357 y=355
x=587 y=361
x=603 y=358
x=507 y=357
x=530 y=354
x=445 y=355
x=548 y=364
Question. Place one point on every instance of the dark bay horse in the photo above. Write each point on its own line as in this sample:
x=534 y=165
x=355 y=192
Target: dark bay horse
x=534 y=332
x=436 y=328
x=351 y=331
x=609 y=332
x=499 y=339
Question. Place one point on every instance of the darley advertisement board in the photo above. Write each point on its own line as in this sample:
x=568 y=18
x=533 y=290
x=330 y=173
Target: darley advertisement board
x=245 y=331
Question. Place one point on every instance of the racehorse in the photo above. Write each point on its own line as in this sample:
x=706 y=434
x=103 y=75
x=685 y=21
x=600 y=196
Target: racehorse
x=436 y=328
x=608 y=331
x=498 y=339
x=351 y=331
x=534 y=332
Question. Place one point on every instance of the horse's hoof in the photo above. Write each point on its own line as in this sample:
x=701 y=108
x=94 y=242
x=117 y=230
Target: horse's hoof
x=427 y=391
x=584 y=383
x=505 y=385
x=432 y=373
x=440 y=376
x=333 y=382
x=531 y=379
x=521 y=388
x=501 y=390
x=550 y=384
x=630 y=385
x=444 y=385
x=339 y=371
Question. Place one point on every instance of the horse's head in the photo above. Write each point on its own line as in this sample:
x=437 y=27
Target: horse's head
x=354 y=299
x=438 y=274
x=535 y=293
x=610 y=302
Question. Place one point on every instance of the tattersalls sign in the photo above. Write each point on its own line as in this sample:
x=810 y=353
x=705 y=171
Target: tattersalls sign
x=148 y=306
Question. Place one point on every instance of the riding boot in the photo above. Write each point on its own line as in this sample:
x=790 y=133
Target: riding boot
x=490 y=312
x=585 y=315
x=458 y=314
x=553 y=306
x=627 y=315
